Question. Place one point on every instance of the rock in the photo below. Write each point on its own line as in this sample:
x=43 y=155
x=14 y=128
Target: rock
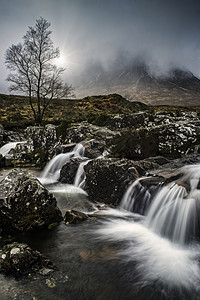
x=160 y=160
x=63 y=148
x=2 y=161
x=1 y=135
x=170 y=140
x=94 y=148
x=121 y=121
x=108 y=178
x=37 y=148
x=68 y=171
x=75 y=217
x=14 y=136
x=41 y=137
x=19 y=259
x=25 y=204
x=86 y=131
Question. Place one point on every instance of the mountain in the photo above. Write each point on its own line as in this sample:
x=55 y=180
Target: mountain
x=136 y=83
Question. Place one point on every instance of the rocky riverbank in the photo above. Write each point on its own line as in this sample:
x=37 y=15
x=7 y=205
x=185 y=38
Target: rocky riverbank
x=143 y=144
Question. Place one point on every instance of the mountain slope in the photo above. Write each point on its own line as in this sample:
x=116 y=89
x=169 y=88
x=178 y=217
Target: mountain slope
x=135 y=82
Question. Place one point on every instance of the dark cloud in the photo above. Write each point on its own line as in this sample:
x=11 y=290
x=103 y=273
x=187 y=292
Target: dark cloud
x=164 y=33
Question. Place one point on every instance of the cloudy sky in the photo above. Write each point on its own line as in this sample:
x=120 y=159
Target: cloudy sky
x=165 y=33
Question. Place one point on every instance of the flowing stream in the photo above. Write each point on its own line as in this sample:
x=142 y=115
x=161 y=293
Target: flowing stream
x=148 y=248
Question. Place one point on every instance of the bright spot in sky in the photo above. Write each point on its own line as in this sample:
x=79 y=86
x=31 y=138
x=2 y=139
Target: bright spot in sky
x=62 y=61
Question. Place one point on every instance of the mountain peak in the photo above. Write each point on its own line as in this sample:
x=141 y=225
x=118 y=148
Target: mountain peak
x=136 y=82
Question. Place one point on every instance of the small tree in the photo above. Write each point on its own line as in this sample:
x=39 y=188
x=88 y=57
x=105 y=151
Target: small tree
x=33 y=71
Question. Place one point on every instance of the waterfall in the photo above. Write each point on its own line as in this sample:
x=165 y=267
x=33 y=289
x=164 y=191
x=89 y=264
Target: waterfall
x=79 y=180
x=136 y=198
x=175 y=209
x=51 y=172
x=4 y=150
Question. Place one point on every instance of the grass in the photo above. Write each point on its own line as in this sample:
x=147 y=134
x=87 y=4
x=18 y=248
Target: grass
x=15 y=111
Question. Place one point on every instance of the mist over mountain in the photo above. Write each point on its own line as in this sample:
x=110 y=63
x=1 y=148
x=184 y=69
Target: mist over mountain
x=136 y=80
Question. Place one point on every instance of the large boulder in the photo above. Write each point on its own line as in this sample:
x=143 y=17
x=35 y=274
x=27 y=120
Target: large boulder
x=19 y=259
x=41 y=137
x=107 y=179
x=25 y=204
x=37 y=148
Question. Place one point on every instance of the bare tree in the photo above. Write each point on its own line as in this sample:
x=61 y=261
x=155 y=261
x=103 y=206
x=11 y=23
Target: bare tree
x=33 y=71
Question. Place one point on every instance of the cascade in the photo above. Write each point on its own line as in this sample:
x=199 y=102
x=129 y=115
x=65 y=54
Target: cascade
x=136 y=198
x=51 y=172
x=79 y=180
x=162 y=246
x=174 y=210
x=4 y=150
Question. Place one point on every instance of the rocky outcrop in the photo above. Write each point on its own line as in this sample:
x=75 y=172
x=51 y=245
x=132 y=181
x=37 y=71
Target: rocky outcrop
x=25 y=204
x=19 y=259
x=85 y=131
x=166 y=134
x=107 y=179
x=37 y=148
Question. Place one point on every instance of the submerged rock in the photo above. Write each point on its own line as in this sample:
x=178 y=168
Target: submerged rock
x=75 y=217
x=25 y=204
x=19 y=259
x=107 y=179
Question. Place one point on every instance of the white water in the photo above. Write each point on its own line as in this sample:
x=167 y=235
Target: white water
x=4 y=150
x=79 y=180
x=161 y=245
x=51 y=172
x=157 y=259
x=174 y=211
x=136 y=198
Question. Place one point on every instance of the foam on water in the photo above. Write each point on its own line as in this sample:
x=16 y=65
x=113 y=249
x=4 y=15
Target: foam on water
x=157 y=258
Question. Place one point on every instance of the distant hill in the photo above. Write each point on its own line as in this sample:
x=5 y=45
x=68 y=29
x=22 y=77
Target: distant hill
x=136 y=83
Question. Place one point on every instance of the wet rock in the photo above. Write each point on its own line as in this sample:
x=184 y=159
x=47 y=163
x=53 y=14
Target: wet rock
x=63 y=148
x=19 y=259
x=94 y=148
x=68 y=171
x=25 y=204
x=151 y=181
x=2 y=161
x=108 y=178
x=75 y=217
x=37 y=148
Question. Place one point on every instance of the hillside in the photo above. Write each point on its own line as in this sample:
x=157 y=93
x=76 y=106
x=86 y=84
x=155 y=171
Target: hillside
x=135 y=82
x=15 y=110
